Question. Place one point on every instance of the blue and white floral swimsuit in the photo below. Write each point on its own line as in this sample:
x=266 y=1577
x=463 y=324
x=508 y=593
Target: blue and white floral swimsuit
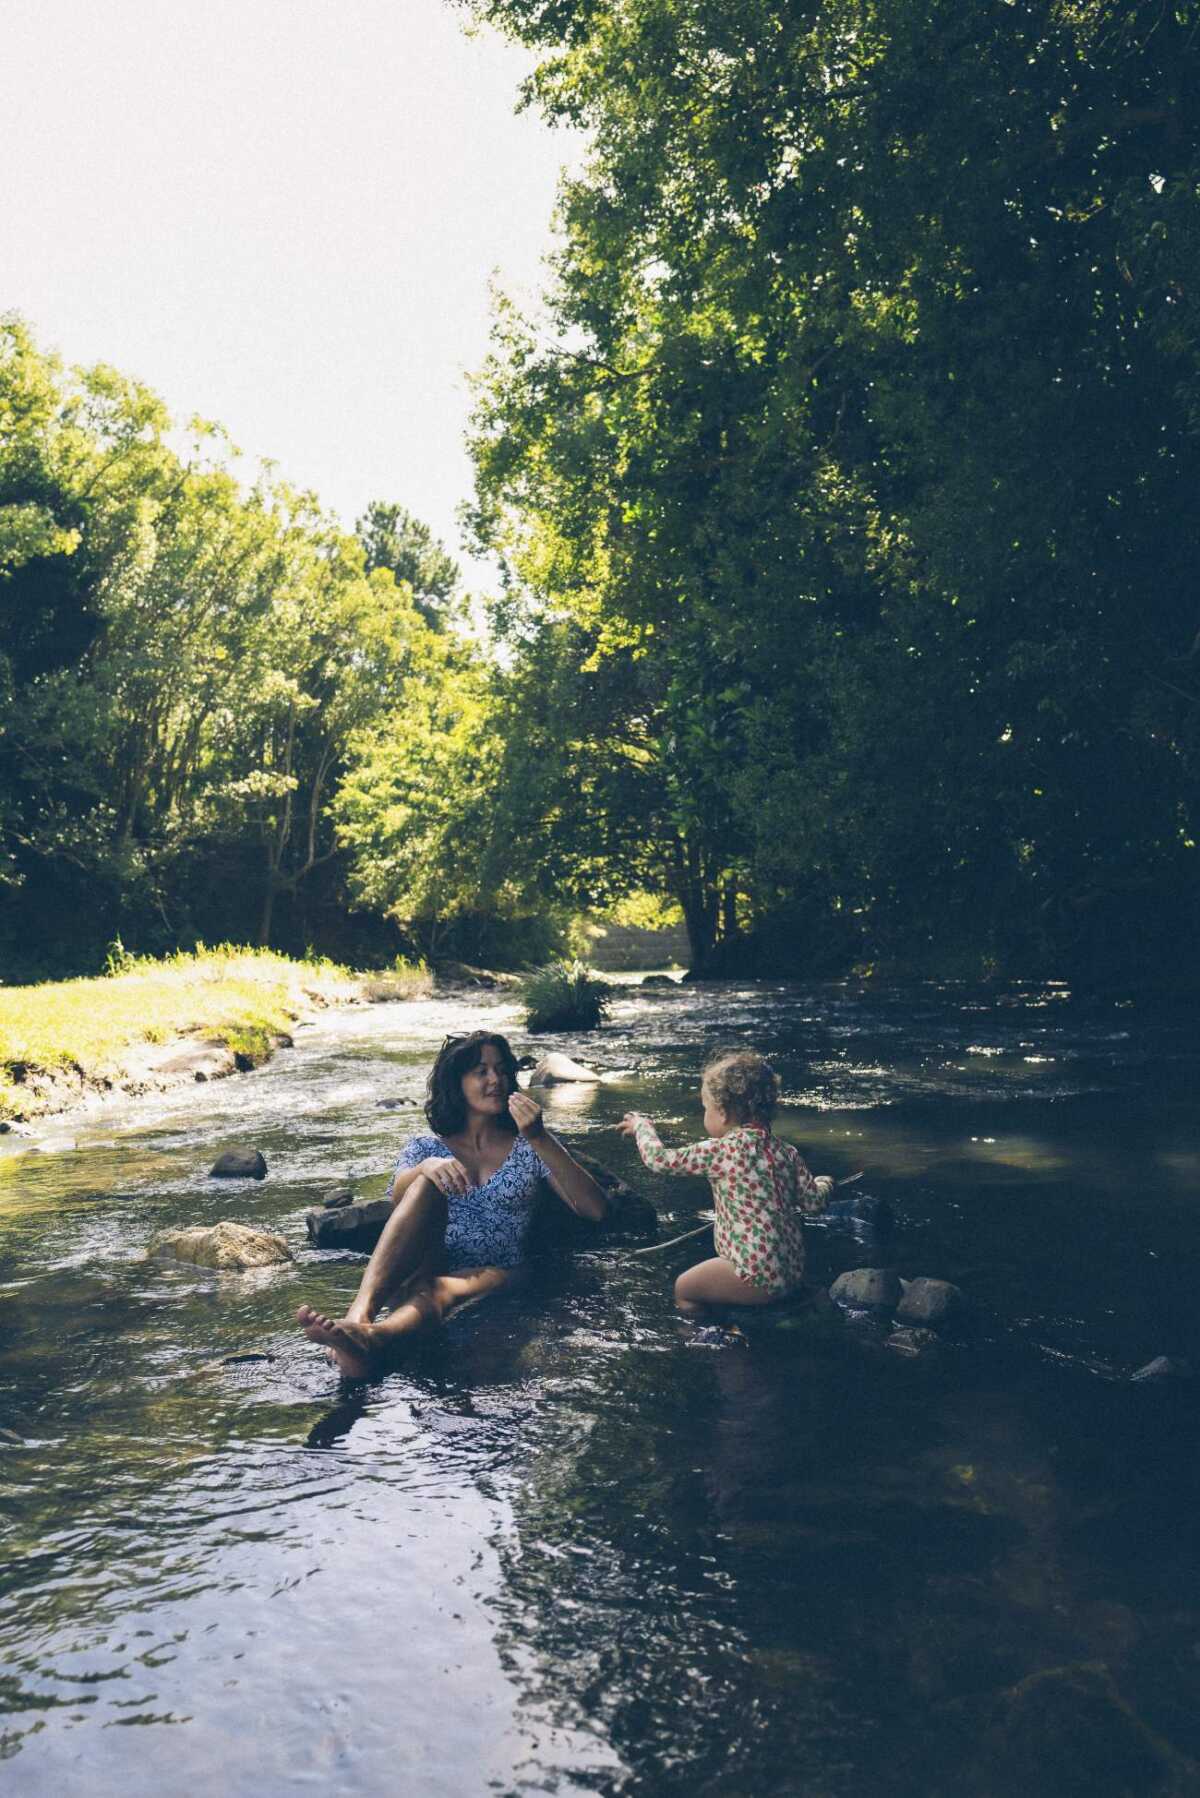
x=486 y=1224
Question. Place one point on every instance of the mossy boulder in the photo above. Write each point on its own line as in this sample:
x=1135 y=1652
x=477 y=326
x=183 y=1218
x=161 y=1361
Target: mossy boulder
x=225 y=1246
x=867 y=1289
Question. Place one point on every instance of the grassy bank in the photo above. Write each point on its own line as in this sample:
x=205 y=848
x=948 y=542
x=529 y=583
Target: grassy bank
x=61 y=1039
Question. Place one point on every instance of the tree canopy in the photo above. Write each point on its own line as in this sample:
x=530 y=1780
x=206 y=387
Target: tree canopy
x=861 y=418
x=842 y=484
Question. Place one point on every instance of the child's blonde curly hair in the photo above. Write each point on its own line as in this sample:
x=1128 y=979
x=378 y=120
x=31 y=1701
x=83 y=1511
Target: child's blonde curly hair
x=743 y=1084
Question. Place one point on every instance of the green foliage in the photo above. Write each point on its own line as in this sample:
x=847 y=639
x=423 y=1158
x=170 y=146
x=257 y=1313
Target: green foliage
x=83 y=1028
x=393 y=539
x=858 y=438
x=563 y=996
x=187 y=663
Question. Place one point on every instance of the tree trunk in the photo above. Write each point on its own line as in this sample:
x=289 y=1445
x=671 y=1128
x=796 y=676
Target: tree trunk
x=729 y=896
x=268 y=909
x=697 y=899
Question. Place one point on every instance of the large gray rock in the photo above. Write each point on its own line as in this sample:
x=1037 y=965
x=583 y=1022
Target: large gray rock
x=554 y=1069
x=239 y=1164
x=354 y=1229
x=631 y=1218
x=226 y=1246
x=1163 y=1367
x=867 y=1289
x=929 y=1302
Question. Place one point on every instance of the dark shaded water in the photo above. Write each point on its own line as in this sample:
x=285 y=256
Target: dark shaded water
x=559 y=1550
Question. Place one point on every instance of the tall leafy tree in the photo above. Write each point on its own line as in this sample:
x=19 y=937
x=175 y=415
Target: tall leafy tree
x=878 y=367
x=393 y=539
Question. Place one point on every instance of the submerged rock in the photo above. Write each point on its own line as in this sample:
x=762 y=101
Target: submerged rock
x=630 y=1217
x=1068 y=1730
x=867 y=1289
x=909 y=1341
x=659 y=980
x=225 y=1246
x=337 y=1196
x=861 y=1211
x=928 y=1301
x=1163 y=1367
x=553 y=1068
x=239 y=1164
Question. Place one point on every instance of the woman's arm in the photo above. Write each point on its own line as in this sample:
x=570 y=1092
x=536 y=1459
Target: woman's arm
x=573 y=1184
x=446 y=1172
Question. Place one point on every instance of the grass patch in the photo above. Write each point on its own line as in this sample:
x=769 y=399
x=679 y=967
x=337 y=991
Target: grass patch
x=566 y=995
x=243 y=998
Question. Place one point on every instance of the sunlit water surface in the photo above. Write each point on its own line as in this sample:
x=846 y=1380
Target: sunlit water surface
x=565 y=1549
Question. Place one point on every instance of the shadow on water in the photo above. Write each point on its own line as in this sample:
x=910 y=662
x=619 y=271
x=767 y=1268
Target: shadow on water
x=569 y=1547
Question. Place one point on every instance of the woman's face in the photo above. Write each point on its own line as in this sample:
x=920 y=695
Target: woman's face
x=485 y=1087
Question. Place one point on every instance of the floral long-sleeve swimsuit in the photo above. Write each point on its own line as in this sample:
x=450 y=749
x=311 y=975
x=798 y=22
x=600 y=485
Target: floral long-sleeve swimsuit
x=761 y=1186
x=486 y=1225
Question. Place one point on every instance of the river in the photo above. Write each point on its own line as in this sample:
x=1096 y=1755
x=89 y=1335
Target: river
x=564 y=1548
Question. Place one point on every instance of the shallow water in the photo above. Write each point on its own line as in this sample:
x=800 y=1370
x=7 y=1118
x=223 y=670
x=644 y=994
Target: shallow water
x=561 y=1550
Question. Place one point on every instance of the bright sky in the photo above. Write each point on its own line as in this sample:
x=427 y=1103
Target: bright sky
x=280 y=214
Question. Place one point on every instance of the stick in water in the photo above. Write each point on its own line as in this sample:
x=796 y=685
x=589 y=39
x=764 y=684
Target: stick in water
x=656 y=1248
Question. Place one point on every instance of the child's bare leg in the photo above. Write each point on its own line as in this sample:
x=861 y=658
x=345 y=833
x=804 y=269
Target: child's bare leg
x=355 y=1346
x=716 y=1282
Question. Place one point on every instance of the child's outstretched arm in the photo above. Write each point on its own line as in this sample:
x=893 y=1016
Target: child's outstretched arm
x=693 y=1158
x=813 y=1191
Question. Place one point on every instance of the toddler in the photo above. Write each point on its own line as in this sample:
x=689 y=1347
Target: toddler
x=761 y=1186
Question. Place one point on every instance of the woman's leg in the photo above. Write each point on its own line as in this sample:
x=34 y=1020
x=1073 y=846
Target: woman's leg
x=410 y=1248
x=405 y=1256
x=432 y=1302
x=355 y=1345
x=717 y=1282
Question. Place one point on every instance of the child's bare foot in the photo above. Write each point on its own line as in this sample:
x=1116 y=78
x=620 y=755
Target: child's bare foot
x=349 y=1344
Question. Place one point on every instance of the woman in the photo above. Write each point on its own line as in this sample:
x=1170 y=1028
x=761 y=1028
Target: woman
x=461 y=1199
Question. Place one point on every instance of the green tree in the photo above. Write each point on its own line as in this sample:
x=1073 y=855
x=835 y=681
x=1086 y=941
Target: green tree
x=879 y=368
x=392 y=538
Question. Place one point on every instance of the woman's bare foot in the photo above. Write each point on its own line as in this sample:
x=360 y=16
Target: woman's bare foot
x=348 y=1343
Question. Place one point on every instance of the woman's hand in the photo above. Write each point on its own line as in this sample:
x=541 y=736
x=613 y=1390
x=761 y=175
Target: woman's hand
x=629 y=1123
x=527 y=1115
x=446 y=1173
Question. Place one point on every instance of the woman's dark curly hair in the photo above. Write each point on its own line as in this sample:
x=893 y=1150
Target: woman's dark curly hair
x=445 y=1106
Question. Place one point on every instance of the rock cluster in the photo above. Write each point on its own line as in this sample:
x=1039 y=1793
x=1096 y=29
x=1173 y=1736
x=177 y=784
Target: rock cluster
x=918 y=1306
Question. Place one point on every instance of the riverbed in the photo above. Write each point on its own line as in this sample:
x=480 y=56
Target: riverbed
x=568 y=1547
